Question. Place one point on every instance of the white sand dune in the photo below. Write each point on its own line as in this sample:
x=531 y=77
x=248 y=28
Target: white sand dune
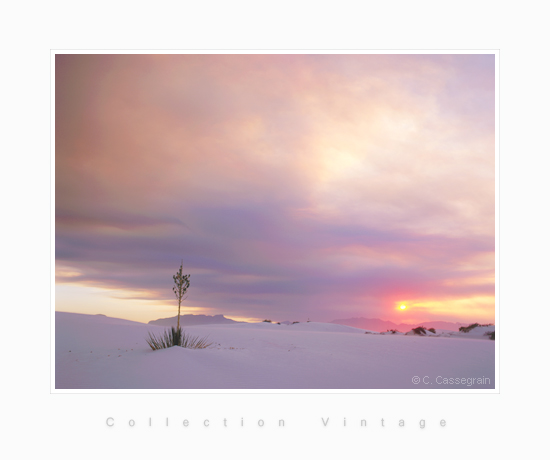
x=98 y=352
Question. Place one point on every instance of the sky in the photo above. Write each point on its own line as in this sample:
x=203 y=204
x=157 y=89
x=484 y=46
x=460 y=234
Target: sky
x=291 y=187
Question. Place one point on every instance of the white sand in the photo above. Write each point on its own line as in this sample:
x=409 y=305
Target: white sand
x=98 y=352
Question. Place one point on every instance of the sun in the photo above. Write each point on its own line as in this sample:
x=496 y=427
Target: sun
x=403 y=307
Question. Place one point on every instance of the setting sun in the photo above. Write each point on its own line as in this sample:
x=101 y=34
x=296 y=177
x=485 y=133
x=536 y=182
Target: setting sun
x=403 y=307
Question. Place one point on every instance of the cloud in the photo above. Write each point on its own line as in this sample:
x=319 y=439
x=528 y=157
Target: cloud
x=290 y=185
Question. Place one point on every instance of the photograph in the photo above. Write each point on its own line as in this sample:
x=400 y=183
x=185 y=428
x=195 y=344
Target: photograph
x=275 y=221
x=274 y=231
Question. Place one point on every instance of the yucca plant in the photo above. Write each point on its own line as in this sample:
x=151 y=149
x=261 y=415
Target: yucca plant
x=175 y=337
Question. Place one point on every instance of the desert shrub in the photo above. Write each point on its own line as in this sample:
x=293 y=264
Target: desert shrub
x=468 y=328
x=431 y=329
x=295 y=322
x=420 y=330
x=175 y=337
x=393 y=331
x=266 y=321
x=491 y=334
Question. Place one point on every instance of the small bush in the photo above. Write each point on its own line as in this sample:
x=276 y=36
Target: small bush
x=393 y=331
x=491 y=335
x=468 y=328
x=175 y=337
x=431 y=329
x=420 y=330
x=295 y=322
x=266 y=321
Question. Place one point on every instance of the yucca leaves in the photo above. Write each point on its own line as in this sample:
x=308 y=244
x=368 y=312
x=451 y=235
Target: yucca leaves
x=176 y=337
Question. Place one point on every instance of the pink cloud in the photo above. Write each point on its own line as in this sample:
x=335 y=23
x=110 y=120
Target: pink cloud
x=276 y=167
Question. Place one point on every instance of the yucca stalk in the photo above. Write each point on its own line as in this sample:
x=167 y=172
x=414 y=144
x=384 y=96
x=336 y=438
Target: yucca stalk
x=181 y=284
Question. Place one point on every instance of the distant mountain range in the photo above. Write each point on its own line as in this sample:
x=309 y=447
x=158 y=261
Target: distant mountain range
x=371 y=324
x=382 y=326
x=192 y=320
